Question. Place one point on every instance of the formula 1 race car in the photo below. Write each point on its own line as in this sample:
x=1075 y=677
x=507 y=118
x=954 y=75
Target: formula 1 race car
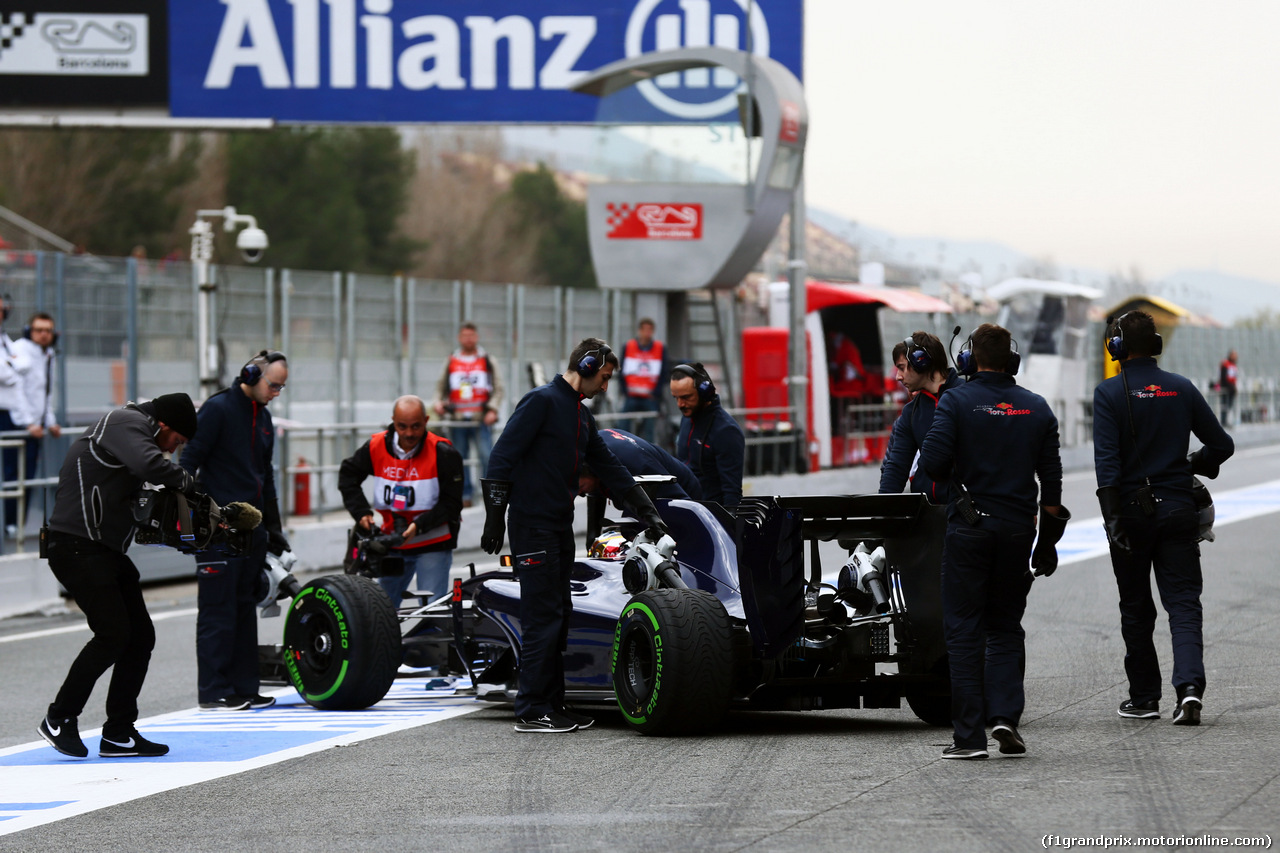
x=732 y=618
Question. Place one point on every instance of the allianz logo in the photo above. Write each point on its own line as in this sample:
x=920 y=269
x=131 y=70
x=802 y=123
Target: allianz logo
x=360 y=41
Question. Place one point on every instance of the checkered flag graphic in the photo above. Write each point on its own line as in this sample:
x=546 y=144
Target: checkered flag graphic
x=618 y=213
x=11 y=27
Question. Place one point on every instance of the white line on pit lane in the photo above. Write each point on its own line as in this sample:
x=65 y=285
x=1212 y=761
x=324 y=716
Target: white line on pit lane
x=1086 y=538
x=39 y=786
x=84 y=626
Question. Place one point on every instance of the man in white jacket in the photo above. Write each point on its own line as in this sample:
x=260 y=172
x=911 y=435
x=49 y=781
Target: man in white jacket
x=37 y=344
x=14 y=365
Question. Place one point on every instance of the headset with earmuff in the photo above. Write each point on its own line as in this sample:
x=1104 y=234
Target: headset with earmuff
x=967 y=365
x=917 y=356
x=1115 y=343
x=590 y=363
x=26 y=331
x=252 y=370
x=701 y=380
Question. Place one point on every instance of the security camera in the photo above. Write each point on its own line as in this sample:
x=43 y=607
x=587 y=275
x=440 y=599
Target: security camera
x=252 y=242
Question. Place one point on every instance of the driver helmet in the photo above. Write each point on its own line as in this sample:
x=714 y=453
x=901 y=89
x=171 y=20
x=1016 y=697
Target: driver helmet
x=608 y=546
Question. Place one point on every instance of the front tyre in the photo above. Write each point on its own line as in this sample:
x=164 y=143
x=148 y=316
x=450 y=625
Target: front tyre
x=341 y=643
x=673 y=661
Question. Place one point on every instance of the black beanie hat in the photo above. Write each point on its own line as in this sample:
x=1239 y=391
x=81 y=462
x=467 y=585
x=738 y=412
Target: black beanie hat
x=177 y=412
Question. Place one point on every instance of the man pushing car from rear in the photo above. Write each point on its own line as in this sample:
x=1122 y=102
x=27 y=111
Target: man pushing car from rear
x=534 y=468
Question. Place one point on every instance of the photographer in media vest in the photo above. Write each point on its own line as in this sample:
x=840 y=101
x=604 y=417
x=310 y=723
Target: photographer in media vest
x=470 y=390
x=417 y=490
x=643 y=366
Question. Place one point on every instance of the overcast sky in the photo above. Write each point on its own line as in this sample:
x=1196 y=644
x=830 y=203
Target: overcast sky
x=1107 y=134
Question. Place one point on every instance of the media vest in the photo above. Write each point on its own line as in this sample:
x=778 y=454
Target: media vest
x=642 y=368
x=406 y=487
x=469 y=384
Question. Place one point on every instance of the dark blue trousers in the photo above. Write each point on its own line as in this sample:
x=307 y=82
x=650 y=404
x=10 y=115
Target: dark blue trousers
x=1167 y=544
x=544 y=564
x=227 y=621
x=985 y=581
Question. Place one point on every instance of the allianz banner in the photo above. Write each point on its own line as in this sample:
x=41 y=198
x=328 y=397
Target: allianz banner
x=458 y=61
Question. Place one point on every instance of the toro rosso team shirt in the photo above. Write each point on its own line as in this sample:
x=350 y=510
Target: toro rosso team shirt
x=640 y=457
x=1000 y=438
x=1167 y=408
x=538 y=453
x=712 y=444
x=232 y=450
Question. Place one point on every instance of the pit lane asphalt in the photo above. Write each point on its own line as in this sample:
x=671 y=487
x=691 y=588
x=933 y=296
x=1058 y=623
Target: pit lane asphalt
x=830 y=780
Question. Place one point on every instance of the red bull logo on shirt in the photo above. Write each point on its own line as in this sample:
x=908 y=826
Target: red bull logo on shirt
x=1001 y=409
x=1149 y=391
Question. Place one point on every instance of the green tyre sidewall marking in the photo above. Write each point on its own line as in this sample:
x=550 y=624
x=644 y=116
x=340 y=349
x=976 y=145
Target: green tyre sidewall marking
x=617 y=647
x=294 y=675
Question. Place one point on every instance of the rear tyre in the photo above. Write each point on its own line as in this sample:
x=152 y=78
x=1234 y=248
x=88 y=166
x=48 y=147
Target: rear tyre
x=673 y=661
x=341 y=643
x=931 y=701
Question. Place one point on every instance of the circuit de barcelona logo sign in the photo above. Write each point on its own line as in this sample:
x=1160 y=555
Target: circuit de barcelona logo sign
x=459 y=61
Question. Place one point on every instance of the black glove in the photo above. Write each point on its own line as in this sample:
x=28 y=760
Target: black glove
x=1201 y=466
x=646 y=512
x=1044 y=559
x=496 y=493
x=1109 y=500
x=277 y=543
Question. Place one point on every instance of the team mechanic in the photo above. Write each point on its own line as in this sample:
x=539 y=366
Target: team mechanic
x=710 y=442
x=232 y=460
x=1142 y=425
x=89 y=532
x=992 y=439
x=534 y=468
x=921 y=363
x=418 y=490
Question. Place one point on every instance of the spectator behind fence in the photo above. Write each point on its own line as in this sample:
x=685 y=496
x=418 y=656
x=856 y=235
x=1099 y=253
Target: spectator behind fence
x=14 y=366
x=642 y=369
x=470 y=390
x=37 y=342
x=417 y=488
x=1228 y=380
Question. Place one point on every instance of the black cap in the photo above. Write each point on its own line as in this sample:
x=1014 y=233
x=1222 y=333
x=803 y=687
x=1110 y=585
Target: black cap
x=177 y=412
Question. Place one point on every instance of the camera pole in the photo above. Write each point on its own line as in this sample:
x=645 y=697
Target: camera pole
x=251 y=242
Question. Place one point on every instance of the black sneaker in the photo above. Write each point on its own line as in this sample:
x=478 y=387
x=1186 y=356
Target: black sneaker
x=259 y=702
x=1149 y=710
x=64 y=736
x=1011 y=743
x=1189 y=705
x=582 y=720
x=553 y=723
x=964 y=753
x=133 y=745
x=226 y=703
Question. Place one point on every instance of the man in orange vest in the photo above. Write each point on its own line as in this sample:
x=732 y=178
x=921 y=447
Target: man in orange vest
x=643 y=367
x=470 y=390
x=418 y=491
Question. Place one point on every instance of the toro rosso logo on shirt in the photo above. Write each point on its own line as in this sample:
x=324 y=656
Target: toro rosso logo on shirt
x=1146 y=392
x=1001 y=410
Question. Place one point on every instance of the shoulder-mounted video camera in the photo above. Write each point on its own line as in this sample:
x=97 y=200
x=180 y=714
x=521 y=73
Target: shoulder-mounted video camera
x=170 y=518
x=372 y=553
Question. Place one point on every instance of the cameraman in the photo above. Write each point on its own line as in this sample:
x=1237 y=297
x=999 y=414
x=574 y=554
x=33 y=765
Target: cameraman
x=418 y=490
x=89 y=531
x=233 y=458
